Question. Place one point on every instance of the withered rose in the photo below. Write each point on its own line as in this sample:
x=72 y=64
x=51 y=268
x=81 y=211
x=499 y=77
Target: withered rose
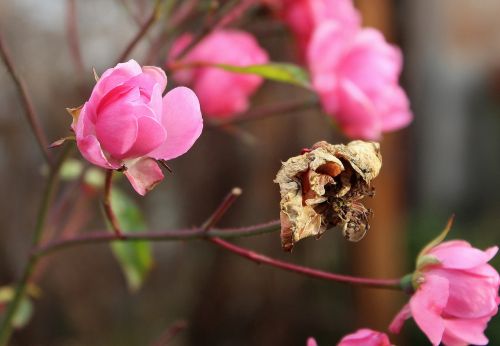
x=323 y=187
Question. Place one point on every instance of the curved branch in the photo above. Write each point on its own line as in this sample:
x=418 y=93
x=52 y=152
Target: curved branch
x=394 y=284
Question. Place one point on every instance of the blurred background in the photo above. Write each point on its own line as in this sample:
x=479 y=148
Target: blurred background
x=445 y=162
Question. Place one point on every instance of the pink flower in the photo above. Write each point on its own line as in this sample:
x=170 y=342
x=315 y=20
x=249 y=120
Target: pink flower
x=304 y=16
x=127 y=124
x=221 y=93
x=456 y=294
x=311 y=342
x=356 y=76
x=365 y=337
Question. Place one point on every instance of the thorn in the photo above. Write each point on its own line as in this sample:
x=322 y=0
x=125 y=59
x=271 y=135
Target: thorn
x=164 y=164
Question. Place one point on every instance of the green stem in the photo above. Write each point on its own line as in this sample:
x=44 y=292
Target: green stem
x=6 y=326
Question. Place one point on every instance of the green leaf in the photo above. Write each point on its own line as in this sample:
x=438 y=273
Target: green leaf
x=135 y=257
x=280 y=72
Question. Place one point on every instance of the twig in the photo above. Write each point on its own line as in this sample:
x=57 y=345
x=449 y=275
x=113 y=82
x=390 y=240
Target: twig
x=222 y=209
x=234 y=13
x=171 y=333
x=108 y=209
x=315 y=273
x=227 y=16
x=142 y=31
x=166 y=235
x=72 y=35
x=31 y=115
x=178 y=17
x=6 y=326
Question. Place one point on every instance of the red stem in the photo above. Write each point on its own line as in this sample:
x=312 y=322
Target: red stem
x=108 y=209
x=315 y=273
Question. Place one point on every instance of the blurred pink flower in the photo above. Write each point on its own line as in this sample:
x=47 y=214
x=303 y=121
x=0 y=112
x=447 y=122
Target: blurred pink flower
x=221 y=93
x=303 y=16
x=127 y=123
x=365 y=337
x=356 y=76
x=457 y=294
x=311 y=342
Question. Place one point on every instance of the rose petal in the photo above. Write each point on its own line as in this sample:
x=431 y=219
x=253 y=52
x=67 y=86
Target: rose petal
x=462 y=332
x=115 y=76
x=365 y=337
x=116 y=129
x=183 y=122
x=470 y=296
x=327 y=47
x=399 y=320
x=157 y=74
x=91 y=151
x=427 y=305
x=228 y=96
x=150 y=135
x=461 y=257
x=144 y=174
x=371 y=63
x=356 y=114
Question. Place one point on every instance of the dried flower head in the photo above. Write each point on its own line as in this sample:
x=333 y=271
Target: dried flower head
x=322 y=188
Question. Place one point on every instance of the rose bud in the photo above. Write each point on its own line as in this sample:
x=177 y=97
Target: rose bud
x=303 y=16
x=127 y=124
x=222 y=94
x=356 y=73
x=455 y=293
x=323 y=188
x=365 y=337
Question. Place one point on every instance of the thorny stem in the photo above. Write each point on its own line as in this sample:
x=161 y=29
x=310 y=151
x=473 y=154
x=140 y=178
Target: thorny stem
x=167 y=235
x=6 y=326
x=142 y=31
x=108 y=209
x=26 y=101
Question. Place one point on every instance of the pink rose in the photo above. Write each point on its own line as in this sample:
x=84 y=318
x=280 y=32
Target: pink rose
x=356 y=76
x=457 y=294
x=311 y=342
x=365 y=337
x=304 y=16
x=221 y=93
x=127 y=124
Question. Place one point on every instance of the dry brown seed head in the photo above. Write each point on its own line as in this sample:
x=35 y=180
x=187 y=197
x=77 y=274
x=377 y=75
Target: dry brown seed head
x=322 y=188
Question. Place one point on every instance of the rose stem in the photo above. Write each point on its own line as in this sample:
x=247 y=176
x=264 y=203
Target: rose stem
x=108 y=209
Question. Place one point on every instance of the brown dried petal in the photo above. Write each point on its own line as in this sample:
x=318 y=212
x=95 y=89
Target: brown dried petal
x=321 y=189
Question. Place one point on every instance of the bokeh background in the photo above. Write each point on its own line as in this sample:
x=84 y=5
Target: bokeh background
x=446 y=162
